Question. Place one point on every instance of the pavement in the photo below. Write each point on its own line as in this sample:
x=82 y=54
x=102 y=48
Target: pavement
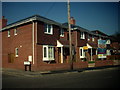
x=16 y=72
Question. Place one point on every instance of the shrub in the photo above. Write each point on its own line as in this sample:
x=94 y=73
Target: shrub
x=91 y=61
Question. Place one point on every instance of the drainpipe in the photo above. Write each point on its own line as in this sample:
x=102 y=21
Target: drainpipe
x=33 y=47
x=61 y=54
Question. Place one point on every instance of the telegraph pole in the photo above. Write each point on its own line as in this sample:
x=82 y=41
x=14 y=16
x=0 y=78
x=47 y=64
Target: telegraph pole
x=70 y=41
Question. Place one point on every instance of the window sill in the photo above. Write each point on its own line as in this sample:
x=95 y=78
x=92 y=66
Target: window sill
x=61 y=35
x=48 y=33
x=15 y=34
x=48 y=59
x=82 y=38
x=16 y=56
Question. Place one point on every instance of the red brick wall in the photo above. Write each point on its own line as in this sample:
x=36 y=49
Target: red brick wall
x=78 y=65
x=59 y=66
x=81 y=42
x=77 y=54
x=22 y=41
x=46 y=39
x=95 y=39
x=103 y=63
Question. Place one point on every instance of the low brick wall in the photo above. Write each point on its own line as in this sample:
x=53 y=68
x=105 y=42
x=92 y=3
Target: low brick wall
x=103 y=63
x=60 y=66
x=47 y=67
x=116 y=62
x=113 y=57
x=78 y=65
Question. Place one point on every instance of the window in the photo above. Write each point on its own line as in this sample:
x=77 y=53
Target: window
x=8 y=33
x=16 y=52
x=108 y=52
x=93 y=38
x=88 y=37
x=48 y=29
x=62 y=32
x=82 y=35
x=108 y=42
x=45 y=52
x=48 y=53
x=15 y=31
x=82 y=53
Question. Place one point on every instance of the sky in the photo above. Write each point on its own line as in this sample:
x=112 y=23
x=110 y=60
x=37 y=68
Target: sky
x=101 y=16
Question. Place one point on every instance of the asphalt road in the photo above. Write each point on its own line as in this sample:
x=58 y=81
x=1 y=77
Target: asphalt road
x=103 y=78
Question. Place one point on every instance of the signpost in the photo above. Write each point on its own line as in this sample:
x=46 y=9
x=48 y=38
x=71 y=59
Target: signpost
x=102 y=49
x=27 y=63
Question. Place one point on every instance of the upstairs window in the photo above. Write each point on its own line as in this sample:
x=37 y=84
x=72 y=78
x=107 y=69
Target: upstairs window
x=108 y=42
x=48 y=29
x=82 y=35
x=15 y=31
x=62 y=32
x=8 y=33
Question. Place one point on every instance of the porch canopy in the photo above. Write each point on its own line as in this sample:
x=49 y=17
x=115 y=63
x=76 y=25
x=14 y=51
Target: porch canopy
x=92 y=45
x=62 y=43
x=93 y=49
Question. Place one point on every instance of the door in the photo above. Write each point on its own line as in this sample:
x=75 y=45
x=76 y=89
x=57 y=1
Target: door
x=59 y=55
x=10 y=58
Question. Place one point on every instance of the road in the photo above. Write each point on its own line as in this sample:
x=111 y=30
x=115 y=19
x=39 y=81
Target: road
x=103 y=78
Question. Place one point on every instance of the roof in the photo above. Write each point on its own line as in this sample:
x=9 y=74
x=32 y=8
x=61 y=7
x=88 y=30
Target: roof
x=75 y=27
x=30 y=19
x=99 y=32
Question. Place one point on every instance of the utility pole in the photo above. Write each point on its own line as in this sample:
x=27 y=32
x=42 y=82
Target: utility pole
x=70 y=40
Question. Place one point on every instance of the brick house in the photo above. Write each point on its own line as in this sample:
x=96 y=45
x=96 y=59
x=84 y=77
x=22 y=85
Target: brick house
x=45 y=44
x=86 y=42
x=35 y=39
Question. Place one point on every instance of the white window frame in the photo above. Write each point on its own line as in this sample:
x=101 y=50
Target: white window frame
x=108 y=41
x=88 y=37
x=83 y=53
x=46 y=27
x=16 y=52
x=93 y=38
x=49 y=54
x=61 y=32
x=8 y=33
x=108 y=52
x=82 y=35
x=15 y=31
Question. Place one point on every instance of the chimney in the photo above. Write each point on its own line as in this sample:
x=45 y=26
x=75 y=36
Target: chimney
x=3 y=22
x=72 y=20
